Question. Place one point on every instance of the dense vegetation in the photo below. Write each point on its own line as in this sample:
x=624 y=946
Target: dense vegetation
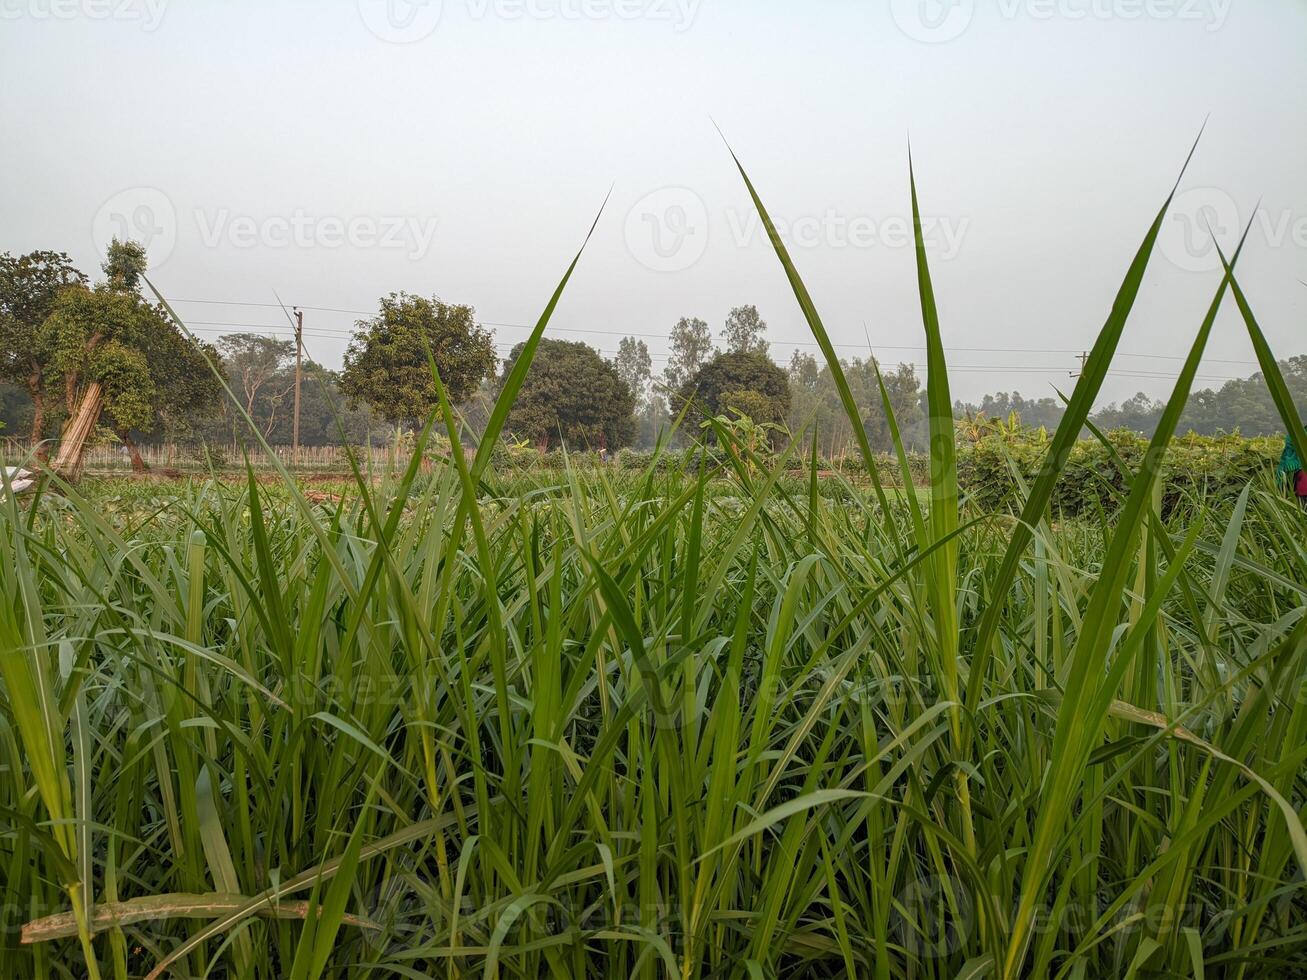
x=385 y=381
x=641 y=722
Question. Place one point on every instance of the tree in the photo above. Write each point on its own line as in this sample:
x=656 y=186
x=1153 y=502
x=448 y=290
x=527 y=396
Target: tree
x=691 y=348
x=323 y=410
x=120 y=360
x=744 y=330
x=903 y=388
x=1033 y=412
x=804 y=371
x=255 y=365
x=816 y=402
x=751 y=383
x=634 y=366
x=571 y=395
x=386 y=364
x=652 y=421
x=29 y=287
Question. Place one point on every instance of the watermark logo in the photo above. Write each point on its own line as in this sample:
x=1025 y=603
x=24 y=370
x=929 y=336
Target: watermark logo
x=937 y=21
x=679 y=13
x=942 y=234
x=406 y=21
x=667 y=230
x=933 y=21
x=933 y=917
x=401 y=21
x=301 y=229
x=147 y=215
x=141 y=214
x=147 y=13
x=1202 y=216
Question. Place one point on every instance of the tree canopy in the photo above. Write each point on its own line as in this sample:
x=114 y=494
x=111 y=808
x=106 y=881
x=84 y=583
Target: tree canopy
x=634 y=366
x=817 y=405
x=752 y=384
x=571 y=394
x=386 y=364
x=744 y=331
x=691 y=343
x=30 y=285
x=120 y=360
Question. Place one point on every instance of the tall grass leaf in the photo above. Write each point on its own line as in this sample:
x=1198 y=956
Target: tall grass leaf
x=809 y=310
x=1082 y=401
x=1084 y=709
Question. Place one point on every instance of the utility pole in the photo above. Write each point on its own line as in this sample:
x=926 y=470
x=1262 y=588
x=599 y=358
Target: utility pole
x=299 y=357
x=1084 y=362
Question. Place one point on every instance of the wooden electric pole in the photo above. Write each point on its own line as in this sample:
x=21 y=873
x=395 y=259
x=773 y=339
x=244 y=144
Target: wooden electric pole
x=299 y=358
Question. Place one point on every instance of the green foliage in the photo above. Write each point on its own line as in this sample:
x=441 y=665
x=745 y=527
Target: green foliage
x=30 y=285
x=151 y=374
x=691 y=347
x=1034 y=412
x=1091 y=482
x=744 y=330
x=124 y=266
x=818 y=408
x=571 y=395
x=1239 y=405
x=254 y=363
x=750 y=383
x=634 y=366
x=747 y=441
x=386 y=362
x=384 y=679
x=712 y=723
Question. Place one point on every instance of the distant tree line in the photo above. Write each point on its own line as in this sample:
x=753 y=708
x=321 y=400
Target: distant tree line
x=103 y=357
x=1241 y=405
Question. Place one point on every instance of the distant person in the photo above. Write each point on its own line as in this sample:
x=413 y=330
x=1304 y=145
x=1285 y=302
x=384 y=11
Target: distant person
x=1291 y=472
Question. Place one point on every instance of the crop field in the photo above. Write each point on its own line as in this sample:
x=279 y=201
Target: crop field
x=726 y=721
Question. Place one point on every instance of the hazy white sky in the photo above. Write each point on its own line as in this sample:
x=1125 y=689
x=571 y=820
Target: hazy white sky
x=337 y=150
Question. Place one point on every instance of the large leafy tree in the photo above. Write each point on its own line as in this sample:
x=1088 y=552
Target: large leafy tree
x=120 y=360
x=744 y=331
x=29 y=287
x=752 y=384
x=386 y=364
x=571 y=394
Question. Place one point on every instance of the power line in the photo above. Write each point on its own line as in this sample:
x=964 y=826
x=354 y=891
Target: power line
x=341 y=333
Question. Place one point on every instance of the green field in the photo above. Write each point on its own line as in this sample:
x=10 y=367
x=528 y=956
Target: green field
x=740 y=721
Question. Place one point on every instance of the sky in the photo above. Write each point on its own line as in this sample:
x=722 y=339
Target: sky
x=325 y=154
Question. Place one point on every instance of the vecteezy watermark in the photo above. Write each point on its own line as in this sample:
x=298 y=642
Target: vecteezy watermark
x=406 y=21
x=148 y=216
x=932 y=917
x=1202 y=216
x=667 y=230
x=148 y=13
x=932 y=21
x=831 y=229
x=937 y=21
x=303 y=230
x=401 y=21
x=141 y=214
